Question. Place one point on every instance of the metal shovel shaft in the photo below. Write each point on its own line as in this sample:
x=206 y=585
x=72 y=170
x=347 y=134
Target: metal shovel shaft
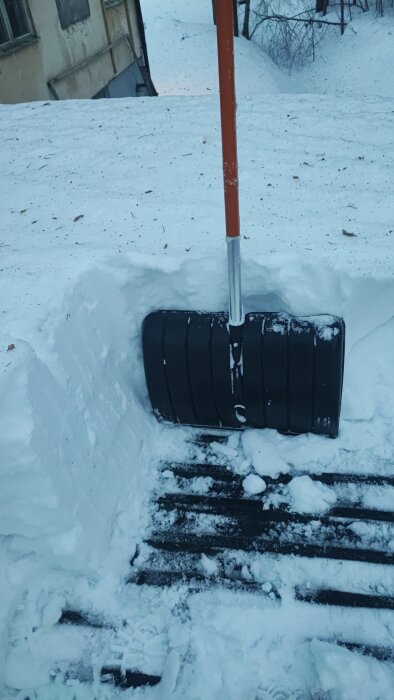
x=225 y=40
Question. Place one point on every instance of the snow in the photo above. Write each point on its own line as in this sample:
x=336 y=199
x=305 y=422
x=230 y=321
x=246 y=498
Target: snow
x=337 y=668
x=307 y=496
x=209 y=565
x=224 y=451
x=264 y=454
x=181 y=42
x=357 y=64
x=110 y=209
x=253 y=484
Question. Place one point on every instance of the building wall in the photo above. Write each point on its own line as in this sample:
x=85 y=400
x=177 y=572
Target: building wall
x=24 y=73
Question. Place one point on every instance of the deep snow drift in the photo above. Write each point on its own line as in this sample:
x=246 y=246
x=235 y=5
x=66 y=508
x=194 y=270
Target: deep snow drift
x=356 y=64
x=109 y=210
x=182 y=51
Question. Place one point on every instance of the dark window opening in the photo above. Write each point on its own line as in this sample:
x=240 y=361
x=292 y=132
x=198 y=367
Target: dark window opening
x=72 y=11
x=15 y=21
x=4 y=36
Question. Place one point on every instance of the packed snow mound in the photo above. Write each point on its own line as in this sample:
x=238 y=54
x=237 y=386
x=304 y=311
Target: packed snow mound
x=181 y=39
x=355 y=64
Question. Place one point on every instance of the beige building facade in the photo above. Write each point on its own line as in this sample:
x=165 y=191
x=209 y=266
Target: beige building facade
x=62 y=49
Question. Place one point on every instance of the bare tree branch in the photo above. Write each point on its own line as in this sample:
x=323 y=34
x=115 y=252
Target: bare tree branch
x=283 y=18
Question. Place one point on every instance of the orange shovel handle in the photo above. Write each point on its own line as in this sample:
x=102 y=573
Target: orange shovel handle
x=225 y=38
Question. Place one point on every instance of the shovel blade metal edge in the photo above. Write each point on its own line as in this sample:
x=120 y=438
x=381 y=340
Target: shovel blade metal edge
x=292 y=370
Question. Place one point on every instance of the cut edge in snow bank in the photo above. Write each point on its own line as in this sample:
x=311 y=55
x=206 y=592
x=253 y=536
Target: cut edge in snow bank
x=80 y=450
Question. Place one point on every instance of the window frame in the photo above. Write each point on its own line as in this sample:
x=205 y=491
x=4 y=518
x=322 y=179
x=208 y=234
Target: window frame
x=65 y=25
x=15 y=42
x=109 y=4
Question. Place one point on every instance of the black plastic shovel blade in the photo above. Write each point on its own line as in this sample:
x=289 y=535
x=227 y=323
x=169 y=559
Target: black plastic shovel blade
x=291 y=379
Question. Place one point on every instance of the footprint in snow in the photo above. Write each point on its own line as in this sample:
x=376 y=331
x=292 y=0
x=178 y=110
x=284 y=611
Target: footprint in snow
x=275 y=692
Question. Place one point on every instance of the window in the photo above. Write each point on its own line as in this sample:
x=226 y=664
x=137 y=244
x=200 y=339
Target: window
x=15 y=21
x=114 y=3
x=72 y=11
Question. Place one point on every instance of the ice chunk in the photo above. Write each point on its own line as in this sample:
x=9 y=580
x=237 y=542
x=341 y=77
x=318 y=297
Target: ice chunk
x=220 y=449
x=254 y=484
x=210 y=565
x=309 y=496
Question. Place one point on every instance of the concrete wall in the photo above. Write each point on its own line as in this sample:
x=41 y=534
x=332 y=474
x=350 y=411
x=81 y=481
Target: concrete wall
x=24 y=73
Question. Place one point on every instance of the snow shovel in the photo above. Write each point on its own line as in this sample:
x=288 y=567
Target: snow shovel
x=231 y=370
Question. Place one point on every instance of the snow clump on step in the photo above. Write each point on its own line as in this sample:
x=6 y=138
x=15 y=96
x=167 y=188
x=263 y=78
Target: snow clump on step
x=254 y=484
x=263 y=454
x=309 y=496
x=209 y=565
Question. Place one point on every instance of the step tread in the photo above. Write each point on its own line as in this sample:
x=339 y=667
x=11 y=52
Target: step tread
x=205 y=544
x=330 y=596
x=128 y=678
x=220 y=505
x=220 y=472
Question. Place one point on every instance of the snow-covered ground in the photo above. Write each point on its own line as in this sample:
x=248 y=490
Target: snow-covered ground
x=109 y=209
x=358 y=64
x=182 y=49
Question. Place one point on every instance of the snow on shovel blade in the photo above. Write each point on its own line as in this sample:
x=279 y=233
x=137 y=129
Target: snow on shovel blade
x=291 y=378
